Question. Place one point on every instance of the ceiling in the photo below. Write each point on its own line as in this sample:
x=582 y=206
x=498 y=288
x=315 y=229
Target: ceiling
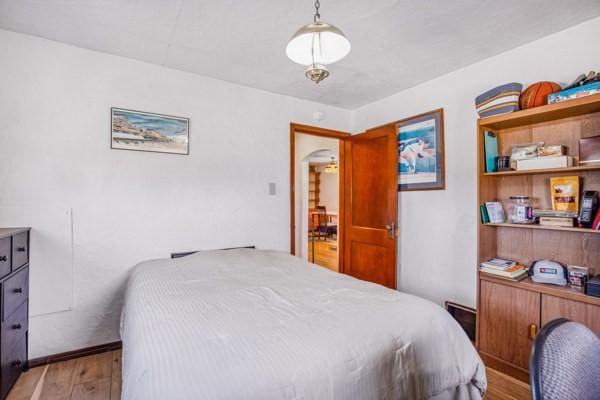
x=396 y=44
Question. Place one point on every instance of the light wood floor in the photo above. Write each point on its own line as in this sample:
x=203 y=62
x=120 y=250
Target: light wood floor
x=98 y=377
x=325 y=253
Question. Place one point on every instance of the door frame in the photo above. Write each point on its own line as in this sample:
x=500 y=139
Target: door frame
x=296 y=128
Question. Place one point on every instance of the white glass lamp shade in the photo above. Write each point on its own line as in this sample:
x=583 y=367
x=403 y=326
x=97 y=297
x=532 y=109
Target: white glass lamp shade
x=318 y=43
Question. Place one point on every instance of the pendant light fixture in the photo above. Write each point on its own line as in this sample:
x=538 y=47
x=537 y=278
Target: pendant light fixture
x=332 y=167
x=317 y=45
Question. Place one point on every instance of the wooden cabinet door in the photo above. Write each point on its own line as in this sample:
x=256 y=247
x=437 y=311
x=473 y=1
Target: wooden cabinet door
x=555 y=307
x=371 y=201
x=506 y=314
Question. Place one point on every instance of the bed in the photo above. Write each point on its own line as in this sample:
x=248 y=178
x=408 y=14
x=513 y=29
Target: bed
x=250 y=324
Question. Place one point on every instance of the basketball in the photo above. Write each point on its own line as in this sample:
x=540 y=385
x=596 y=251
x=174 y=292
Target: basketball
x=537 y=94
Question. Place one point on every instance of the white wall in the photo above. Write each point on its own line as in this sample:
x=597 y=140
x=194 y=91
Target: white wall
x=329 y=189
x=437 y=249
x=111 y=209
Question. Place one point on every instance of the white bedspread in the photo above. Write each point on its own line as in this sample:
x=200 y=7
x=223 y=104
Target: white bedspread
x=248 y=324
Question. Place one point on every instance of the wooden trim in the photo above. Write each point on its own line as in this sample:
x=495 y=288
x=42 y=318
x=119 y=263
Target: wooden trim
x=316 y=131
x=69 y=355
x=499 y=365
x=323 y=132
x=551 y=112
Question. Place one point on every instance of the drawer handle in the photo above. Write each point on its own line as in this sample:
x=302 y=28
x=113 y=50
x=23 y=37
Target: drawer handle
x=17 y=363
x=19 y=290
x=17 y=326
x=3 y=259
x=20 y=249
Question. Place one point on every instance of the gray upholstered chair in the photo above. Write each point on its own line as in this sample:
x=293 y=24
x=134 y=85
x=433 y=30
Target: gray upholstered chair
x=565 y=362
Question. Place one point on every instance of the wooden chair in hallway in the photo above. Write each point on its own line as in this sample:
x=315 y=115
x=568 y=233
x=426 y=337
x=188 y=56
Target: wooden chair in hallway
x=324 y=228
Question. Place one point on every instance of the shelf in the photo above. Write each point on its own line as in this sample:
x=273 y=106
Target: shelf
x=565 y=292
x=547 y=113
x=580 y=168
x=544 y=227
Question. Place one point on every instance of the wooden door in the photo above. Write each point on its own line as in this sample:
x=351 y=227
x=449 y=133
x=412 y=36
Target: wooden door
x=555 y=307
x=371 y=202
x=506 y=318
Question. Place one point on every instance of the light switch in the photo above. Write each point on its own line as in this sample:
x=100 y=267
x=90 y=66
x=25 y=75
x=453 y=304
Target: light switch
x=272 y=188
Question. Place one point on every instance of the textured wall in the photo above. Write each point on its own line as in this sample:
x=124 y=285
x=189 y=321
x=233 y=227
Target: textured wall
x=437 y=249
x=128 y=206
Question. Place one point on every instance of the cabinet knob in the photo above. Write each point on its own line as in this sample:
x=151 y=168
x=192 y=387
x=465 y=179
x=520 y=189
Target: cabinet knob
x=19 y=290
x=16 y=363
x=20 y=249
x=3 y=259
x=17 y=326
x=533 y=329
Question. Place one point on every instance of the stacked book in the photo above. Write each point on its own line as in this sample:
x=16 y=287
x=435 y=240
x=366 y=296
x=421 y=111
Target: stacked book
x=555 y=217
x=505 y=269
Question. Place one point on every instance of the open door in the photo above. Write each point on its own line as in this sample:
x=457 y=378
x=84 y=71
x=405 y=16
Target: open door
x=371 y=204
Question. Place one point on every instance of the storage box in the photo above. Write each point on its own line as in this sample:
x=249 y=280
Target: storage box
x=593 y=286
x=576 y=92
x=544 y=163
x=499 y=100
x=589 y=150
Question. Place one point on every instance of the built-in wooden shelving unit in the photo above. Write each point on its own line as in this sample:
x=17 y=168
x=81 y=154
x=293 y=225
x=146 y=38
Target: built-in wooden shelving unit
x=509 y=312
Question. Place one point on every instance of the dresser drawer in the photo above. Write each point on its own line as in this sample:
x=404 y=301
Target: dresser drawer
x=5 y=256
x=14 y=327
x=14 y=292
x=13 y=362
x=20 y=250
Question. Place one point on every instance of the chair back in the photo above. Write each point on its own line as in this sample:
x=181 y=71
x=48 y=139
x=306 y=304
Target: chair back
x=565 y=362
x=322 y=216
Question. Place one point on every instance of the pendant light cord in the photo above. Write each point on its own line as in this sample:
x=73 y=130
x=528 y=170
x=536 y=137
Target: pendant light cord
x=317 y=15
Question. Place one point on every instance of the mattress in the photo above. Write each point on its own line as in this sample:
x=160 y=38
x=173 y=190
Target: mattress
x=249 y=324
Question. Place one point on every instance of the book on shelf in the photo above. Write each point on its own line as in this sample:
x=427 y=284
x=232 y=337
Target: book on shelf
x=495 y=212
x=557 y=221
x=516 y=278
x=555 y=213
x=511 y=272
x=498 y=264
x=596 y=223
x=485 y=218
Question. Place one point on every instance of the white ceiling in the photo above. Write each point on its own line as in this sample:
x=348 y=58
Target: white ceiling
x=396 y=44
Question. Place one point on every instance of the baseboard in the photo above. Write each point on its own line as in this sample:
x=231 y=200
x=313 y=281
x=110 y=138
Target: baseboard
x=69 y=355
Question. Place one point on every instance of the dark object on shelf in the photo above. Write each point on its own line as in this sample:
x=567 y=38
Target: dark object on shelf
x=589 y=150
x=592 y=287
x=564 y=362
x=465 y=316
x=503 y=163
x=548 y=271
x=589 y=207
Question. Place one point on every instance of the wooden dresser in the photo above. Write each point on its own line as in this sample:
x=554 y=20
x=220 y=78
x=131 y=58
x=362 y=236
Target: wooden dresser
x=14 y=281
x=511 y=313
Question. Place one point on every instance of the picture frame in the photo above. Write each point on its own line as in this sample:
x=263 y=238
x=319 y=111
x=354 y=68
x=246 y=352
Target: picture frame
x=421 y=154
x=149 y=132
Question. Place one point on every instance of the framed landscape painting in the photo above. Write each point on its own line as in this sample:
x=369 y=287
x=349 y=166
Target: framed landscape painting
x=421 y=152
x=142 y=131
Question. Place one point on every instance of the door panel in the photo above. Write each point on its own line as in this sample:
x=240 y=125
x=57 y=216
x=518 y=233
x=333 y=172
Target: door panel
x=587 y=314
x=371 y=201
x=506 y=315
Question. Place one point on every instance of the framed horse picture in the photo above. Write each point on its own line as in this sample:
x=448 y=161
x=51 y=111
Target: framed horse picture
x=421 y=152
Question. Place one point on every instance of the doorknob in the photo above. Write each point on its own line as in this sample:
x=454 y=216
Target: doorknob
x=391 y=230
